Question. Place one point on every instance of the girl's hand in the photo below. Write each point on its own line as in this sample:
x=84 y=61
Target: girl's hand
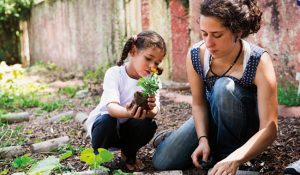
x=203 y=150
x=151 y=102
x=225 y=167
x=136 y=111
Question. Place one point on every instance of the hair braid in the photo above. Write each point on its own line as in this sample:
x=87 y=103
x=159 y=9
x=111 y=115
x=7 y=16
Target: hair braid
x=127 y=47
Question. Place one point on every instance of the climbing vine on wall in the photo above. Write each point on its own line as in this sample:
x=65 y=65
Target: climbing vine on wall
x=11 y=13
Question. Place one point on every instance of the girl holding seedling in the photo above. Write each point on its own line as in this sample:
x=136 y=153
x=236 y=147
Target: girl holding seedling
x=117 y=121
x=234 y=93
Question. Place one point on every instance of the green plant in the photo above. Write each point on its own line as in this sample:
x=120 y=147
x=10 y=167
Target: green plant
x=96 y=75
x=22 y=162
x=11 y=136
x=66 y=118
x=287 y=94
x=15 y=91
x=96 y=161
x=149 y=84
x=51 y=106
x=65 y=155
x=11 y=13
x=120 y=172
x=70 y=91
x=4 y=172
x=42 y=67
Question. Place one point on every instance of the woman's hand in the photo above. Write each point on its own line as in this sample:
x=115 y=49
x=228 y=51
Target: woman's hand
x=225 y=167
x=203 y=150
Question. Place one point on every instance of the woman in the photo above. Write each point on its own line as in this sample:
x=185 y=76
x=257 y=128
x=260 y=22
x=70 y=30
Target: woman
x=234 y=93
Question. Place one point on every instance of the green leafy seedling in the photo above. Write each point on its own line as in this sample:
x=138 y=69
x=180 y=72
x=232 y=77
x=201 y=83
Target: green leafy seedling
x=4 y=172
x=22 y=162
x=150 y=84
x=65 y=155
x=95 y=161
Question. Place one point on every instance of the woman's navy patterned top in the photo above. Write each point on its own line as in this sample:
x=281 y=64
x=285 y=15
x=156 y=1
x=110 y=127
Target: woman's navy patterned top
x=247 y=77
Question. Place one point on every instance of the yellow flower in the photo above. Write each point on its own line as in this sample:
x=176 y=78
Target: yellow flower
x=154 y=70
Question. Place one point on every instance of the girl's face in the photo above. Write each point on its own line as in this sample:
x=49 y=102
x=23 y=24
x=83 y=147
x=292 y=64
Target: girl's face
x=142 y=61
x=219 y=40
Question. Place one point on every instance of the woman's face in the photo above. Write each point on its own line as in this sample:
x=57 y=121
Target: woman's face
x=146 y=59
x=219 y=40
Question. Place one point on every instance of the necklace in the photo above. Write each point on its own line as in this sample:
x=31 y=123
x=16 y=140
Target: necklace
x=232 y=64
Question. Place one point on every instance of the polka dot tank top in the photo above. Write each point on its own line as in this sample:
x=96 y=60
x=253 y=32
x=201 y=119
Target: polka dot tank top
x=248 y=75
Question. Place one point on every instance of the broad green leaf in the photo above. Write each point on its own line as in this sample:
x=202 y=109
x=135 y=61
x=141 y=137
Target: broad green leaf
x=65 y=155
x=105 y=155
x=4 y=172
x=44 y=167
x=22 y=161
x=88 y=156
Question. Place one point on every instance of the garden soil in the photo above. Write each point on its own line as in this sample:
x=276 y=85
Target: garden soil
x=285 y=150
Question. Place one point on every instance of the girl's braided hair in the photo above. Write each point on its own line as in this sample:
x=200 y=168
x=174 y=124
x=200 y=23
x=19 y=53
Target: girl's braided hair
x=238 y=15
x=144 y=40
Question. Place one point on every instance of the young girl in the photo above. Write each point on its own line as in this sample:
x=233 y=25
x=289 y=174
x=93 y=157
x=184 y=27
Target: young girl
x=234 y=93
x=114 y=122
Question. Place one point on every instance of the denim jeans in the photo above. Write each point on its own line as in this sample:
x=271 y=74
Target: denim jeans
x=129 y=136
x=233 y=119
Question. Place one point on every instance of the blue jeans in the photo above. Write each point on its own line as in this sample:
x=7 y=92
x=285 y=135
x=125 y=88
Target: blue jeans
x=129 y=136
x=233 y=119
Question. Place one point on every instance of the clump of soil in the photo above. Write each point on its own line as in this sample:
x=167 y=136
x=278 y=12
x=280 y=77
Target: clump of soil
x=140 y=100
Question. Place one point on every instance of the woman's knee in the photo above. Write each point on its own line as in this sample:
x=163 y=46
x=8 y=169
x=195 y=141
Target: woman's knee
x=223 y=88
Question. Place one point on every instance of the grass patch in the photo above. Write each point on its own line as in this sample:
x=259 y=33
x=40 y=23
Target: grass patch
x=53 y=105
x=69 y=91
x=287 y=94
x=11 y=136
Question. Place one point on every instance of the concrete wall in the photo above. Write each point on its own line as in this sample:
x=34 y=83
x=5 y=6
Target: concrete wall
x=75 y=34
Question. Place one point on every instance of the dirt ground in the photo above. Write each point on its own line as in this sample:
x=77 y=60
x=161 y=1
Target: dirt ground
x=284 y=150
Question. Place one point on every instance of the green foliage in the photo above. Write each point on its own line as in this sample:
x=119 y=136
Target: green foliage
x=22 y=162
x=96 y=75
x=11 y=136
x=150 y=84
x=51 y=106
x=4 y=172
x=95 y=161
x=66 y=118
x=14 y=10
x=42 y=67
x=65 y=155
x=70 y=91
x=287 y=94
x=15 y=91
x=11 y=13
x=120 y=172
